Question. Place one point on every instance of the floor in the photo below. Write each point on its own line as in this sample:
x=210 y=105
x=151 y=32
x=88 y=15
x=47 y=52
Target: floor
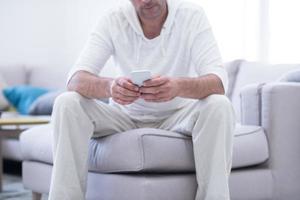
x=13 y=188
x=12 y=184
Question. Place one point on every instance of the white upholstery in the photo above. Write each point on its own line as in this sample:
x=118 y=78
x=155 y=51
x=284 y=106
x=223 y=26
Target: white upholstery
x=280 y=118
x=53 y=78
x=145 y=150
x=255 y=73
x=245 y=184
x=250 y=104
x=250 y=146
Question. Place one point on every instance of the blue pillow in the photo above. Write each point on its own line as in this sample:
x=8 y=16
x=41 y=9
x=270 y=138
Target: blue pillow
x=291 y=76
x=21 y=97
x=44 y=104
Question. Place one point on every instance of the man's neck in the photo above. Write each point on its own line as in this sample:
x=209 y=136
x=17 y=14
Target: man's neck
x=152 y=28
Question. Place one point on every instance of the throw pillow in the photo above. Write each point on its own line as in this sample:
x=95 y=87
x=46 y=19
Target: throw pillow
x=292 y=76
x=43 y=105
x=21 y=97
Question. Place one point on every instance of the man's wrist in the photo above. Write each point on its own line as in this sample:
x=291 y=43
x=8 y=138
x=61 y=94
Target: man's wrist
x=109 y=87
x=179 y=86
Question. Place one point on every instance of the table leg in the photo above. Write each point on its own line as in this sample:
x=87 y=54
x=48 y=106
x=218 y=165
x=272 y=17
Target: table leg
x=1 y=164
x=36 y=196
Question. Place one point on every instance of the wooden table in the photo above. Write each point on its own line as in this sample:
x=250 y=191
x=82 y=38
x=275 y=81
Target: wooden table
x=12 y=127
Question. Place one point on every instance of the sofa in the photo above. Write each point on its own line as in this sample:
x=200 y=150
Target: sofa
x=159 y=165
x=17 y=75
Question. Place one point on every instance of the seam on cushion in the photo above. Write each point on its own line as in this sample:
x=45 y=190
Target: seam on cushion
x=142 y=160
x=168 y=136
x=252 y=164
x=259 y=97
x=260 y=88
x=252 y=132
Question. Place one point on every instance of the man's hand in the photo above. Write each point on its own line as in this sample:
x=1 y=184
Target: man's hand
x=160 y=89
x=123 y=91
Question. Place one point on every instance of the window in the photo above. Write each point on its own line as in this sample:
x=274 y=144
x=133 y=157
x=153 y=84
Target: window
x=256 y=30
x=284 y=31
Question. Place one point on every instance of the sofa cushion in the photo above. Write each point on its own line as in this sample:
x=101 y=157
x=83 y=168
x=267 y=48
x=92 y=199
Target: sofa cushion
x=250 y=146
x=146 y=150
x=291 y=76
x=43 y=105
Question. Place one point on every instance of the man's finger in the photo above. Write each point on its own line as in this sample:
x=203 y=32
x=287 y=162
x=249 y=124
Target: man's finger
x=125 y=98
x=150 y=90
x=126 y=83
x=148 y=97
x=122 y=102
x=156 y=82
x=126 y=92
x=152 y=97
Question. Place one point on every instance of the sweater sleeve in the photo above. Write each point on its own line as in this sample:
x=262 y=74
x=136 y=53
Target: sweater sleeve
x=205 y=52
x=96 y=51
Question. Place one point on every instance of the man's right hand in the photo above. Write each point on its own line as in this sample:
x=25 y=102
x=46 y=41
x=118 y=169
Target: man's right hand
x=123 y=91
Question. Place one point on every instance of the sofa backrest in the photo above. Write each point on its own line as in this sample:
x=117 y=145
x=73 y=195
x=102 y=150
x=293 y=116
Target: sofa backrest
x=254 y=73
x=51 y=78
x=13 y=74
x=232 y=69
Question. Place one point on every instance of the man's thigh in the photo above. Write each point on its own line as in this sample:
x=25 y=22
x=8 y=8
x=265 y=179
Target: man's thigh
x=183 y=120
x=108 y=119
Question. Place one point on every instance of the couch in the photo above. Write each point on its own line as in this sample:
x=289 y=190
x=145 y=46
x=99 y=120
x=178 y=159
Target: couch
x=159 y=165
x=15 y=75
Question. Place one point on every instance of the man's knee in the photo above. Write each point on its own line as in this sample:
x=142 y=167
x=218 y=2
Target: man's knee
x=218 y=109
x=218 y=101
x=68 y=100
x=220 y=105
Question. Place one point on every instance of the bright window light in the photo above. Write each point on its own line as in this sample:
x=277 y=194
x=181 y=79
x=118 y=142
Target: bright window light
x=236 y=27
x=256 y=30
x=284 y=31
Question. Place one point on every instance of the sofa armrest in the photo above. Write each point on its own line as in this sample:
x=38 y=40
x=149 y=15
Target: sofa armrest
x=280 y=112
x=250 y=97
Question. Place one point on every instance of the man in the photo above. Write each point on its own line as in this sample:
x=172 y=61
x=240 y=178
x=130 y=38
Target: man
x=173 y=39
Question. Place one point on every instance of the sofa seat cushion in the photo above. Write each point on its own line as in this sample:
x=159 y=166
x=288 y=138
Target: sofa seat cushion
x=145 y=150
x=250 y=146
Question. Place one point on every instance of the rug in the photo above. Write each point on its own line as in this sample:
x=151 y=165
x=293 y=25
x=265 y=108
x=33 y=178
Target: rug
x=13 y=189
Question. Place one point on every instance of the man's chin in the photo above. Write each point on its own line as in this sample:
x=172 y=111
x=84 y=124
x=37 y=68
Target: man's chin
x=151 y=15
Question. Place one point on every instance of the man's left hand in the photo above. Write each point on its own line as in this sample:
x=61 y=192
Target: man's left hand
x=160 y=89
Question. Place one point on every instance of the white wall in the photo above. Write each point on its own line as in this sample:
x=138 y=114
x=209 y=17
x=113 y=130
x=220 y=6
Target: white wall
x=47 y=33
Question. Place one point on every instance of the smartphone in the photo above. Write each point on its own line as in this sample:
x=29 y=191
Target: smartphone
x=139 y=76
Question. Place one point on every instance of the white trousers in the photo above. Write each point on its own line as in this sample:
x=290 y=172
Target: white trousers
x=76 y=120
